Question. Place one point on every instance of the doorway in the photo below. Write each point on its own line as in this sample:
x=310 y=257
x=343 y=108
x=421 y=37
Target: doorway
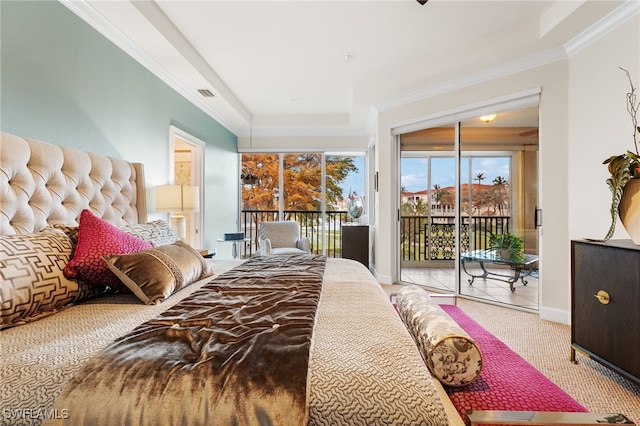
x=187 y=168
x=460 y=185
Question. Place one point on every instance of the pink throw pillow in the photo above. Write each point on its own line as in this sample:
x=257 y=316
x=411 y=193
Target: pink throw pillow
x=98 y=238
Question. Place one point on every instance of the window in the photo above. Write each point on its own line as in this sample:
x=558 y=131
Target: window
x=308 y=187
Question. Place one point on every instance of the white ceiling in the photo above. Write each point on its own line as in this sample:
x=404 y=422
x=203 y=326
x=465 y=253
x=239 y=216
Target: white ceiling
x=325 y=67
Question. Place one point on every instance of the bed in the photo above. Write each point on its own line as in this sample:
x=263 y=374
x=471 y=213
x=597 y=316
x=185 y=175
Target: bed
x=64 y=365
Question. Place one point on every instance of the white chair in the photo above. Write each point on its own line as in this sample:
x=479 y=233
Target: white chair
x=281 y=237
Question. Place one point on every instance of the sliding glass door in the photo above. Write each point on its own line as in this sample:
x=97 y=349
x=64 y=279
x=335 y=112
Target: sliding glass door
x=463 y=187
x=427 y=208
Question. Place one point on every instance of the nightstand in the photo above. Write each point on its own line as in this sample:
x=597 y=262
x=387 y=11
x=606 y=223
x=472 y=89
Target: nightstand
x=207 y=253
x=355 y=243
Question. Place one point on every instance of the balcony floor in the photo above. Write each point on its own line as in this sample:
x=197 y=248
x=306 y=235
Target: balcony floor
x=443 y=280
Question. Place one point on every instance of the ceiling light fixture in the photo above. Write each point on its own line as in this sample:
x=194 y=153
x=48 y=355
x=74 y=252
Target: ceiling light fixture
x=488 y=118
x=422 y=2
x=250 y=178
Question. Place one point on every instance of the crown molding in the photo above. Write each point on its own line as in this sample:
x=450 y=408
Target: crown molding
x=617 y=17
x=503 y=70
x=98 y=22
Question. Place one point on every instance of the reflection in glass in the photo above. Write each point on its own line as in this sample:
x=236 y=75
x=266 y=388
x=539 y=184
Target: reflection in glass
x=497 y=189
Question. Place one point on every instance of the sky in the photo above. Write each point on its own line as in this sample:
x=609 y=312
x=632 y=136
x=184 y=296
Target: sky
x=355 y=181
x=414 y=171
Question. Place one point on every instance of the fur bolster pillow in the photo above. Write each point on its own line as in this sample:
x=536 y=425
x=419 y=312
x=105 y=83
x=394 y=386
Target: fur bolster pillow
x=451 y=355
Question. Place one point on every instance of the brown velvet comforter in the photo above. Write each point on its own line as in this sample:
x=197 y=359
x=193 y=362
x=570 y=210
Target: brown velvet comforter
x=234 y=352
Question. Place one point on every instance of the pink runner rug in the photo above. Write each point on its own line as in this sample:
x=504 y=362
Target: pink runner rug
x=507 y=381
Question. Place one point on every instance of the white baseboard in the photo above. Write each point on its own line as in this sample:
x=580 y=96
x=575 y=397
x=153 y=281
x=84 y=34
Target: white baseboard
x=555 y=315
x=382 y=279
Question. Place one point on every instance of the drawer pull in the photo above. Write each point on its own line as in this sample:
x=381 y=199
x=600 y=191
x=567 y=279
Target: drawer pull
x=603 y=297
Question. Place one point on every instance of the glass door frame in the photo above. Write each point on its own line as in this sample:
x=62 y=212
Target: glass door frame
x=455 y=117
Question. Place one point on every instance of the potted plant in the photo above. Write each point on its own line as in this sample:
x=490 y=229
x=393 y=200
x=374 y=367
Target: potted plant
x=624 y=182
x=508 y=246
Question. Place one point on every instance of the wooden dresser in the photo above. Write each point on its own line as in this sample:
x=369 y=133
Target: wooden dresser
x=605 y=304
x=355 y=243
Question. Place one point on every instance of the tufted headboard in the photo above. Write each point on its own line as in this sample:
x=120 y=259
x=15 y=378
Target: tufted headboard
x=43 y=184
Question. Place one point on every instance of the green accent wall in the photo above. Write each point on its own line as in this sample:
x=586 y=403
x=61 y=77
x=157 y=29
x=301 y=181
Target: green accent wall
x=64 y=83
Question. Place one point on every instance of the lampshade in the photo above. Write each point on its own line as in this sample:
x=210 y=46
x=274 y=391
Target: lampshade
x=177 y=198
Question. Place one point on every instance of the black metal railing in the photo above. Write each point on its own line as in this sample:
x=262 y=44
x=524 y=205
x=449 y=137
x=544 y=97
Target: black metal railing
x=432 y=238
x=423 y=238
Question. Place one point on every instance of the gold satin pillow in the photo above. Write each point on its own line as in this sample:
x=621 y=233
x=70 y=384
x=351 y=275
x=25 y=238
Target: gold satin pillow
x=155 y=274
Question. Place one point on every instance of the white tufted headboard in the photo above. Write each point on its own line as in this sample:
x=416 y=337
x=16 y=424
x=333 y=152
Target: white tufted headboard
x=43 y=184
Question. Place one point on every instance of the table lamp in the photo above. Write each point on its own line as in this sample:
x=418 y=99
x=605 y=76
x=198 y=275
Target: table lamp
x=178 y=199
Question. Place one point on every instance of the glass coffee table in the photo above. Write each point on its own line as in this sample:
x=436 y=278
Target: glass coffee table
x=520 y=267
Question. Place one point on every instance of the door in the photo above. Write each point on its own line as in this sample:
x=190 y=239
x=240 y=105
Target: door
x=460 y=184
x=427 y=208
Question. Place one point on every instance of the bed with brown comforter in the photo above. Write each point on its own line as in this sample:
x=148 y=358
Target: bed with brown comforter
x=272 y=340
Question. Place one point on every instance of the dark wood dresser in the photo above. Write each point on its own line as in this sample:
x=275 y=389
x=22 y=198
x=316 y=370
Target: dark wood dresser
x=355 y=243
x=605 y=304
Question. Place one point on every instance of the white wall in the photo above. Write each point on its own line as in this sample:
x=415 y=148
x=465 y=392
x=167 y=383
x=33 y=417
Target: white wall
x=578 y=129
x=601 y=126
x=65 y=83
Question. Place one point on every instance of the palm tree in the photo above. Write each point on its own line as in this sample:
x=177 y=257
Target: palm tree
x=480 y=178
x=499 y=181
x=437 y=196
x=500 y=196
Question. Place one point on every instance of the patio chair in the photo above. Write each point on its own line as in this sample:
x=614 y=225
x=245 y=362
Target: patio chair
x=281 y=237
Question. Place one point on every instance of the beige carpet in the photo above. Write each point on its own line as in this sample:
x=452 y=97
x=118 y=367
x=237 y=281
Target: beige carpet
x=546 y=346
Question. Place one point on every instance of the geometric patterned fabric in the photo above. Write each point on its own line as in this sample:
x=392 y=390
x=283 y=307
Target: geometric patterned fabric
x=33 y=285
x=157 y=232
x=507 y=381
x=372 y=378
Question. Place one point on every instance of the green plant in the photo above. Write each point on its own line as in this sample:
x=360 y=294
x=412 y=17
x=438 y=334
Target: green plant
x=513 y=243
x=624 y=167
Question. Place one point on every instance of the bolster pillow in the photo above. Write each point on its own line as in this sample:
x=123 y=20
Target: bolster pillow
x=451 y=355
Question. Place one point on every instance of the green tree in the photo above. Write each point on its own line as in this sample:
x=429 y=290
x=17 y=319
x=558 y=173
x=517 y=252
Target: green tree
x=500 y=194
x=337 y=170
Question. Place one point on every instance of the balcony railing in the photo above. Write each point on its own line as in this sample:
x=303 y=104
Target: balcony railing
x=424 y=238
x=432 y=238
